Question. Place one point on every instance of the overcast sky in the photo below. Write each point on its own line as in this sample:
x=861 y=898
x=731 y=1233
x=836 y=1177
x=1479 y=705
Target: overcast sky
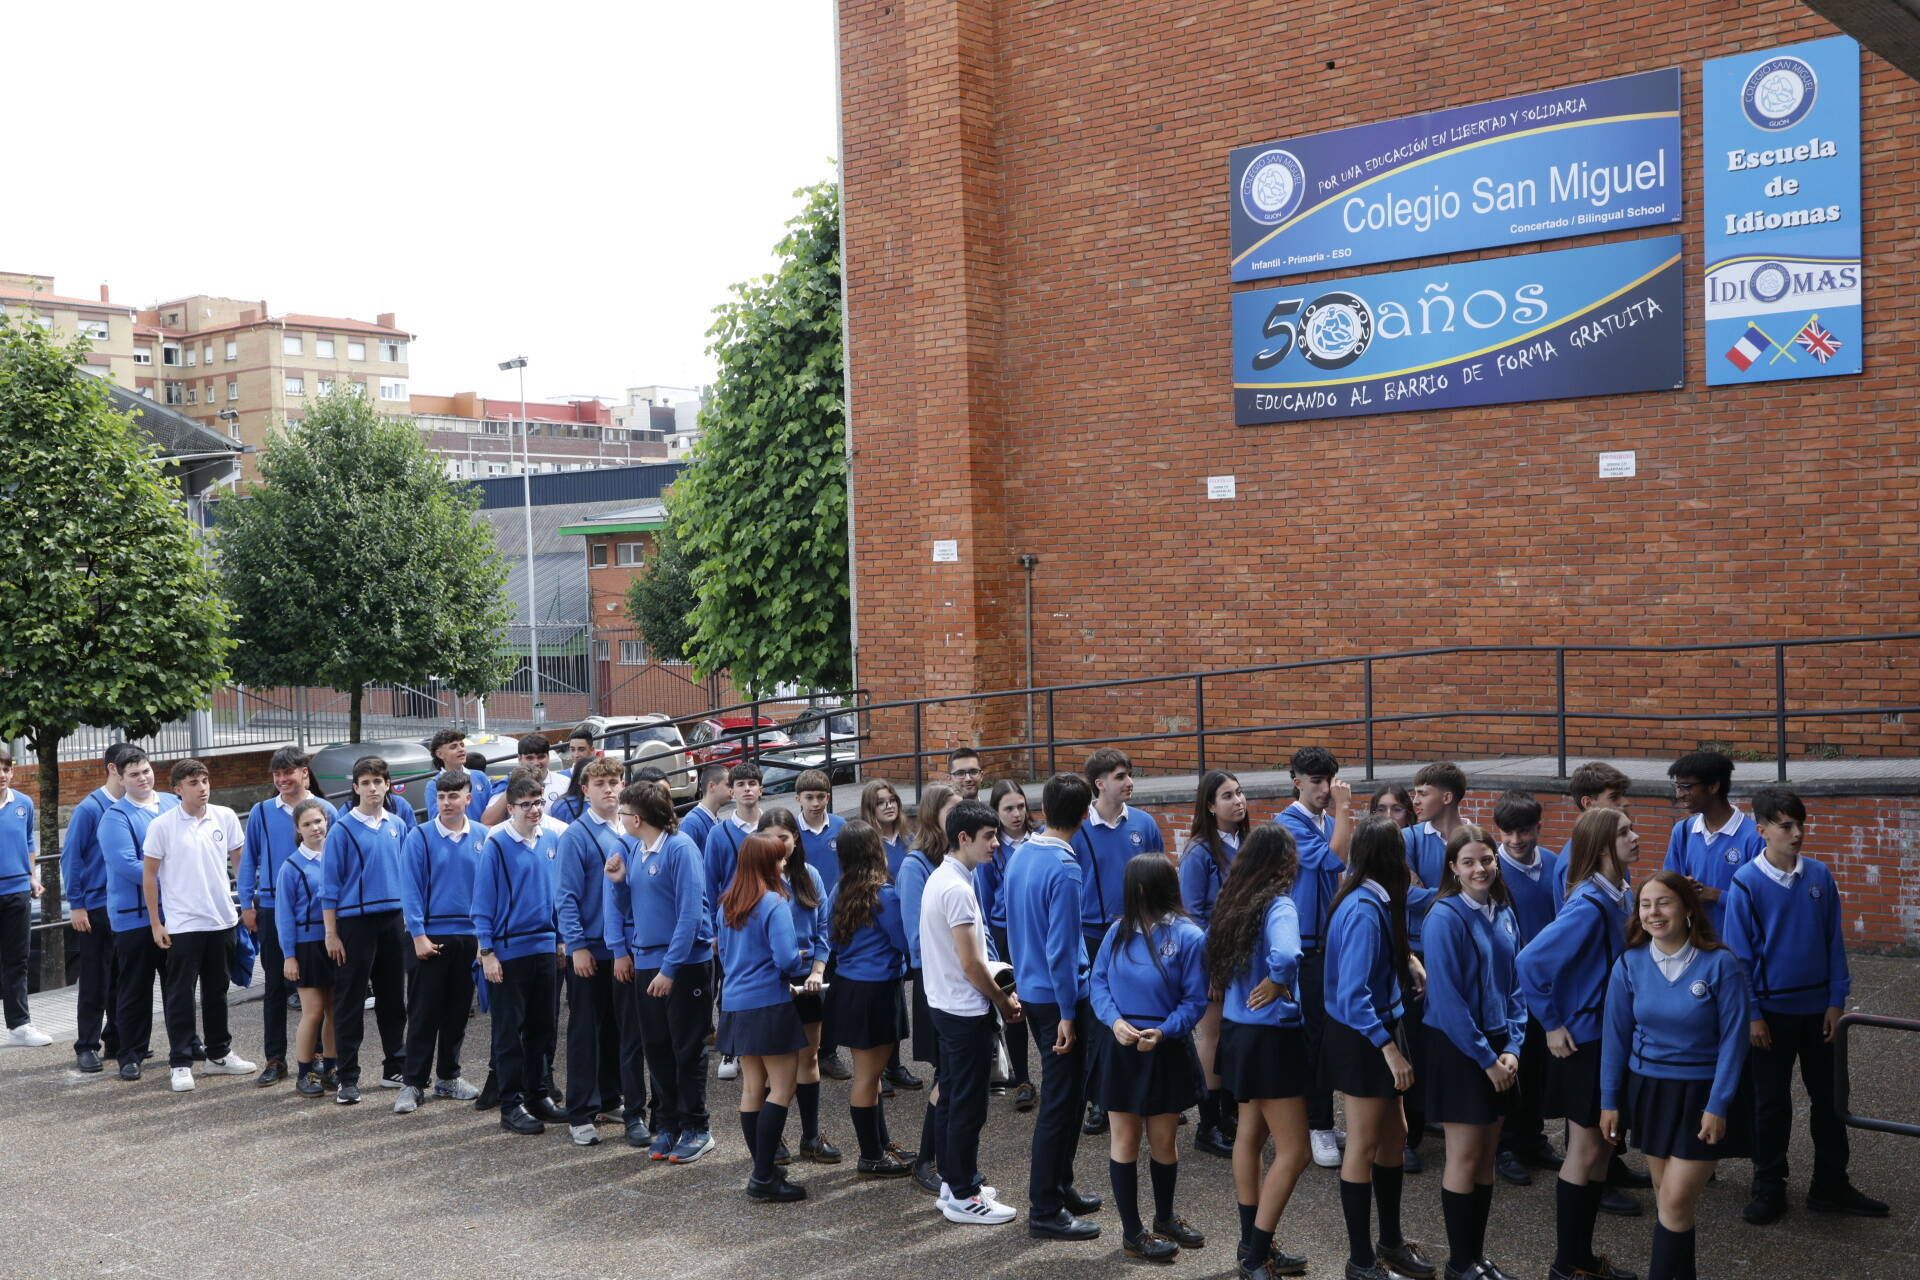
x=578 y=182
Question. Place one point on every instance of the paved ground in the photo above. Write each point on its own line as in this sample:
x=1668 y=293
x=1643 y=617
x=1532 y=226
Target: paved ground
x=100 y=1177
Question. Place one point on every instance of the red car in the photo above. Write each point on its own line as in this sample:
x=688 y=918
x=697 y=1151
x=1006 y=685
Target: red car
x=722 y=739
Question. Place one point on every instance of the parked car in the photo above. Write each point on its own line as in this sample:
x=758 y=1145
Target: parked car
x=408 y=764
x=639 y=741
x=713 y=740
x=817 y=731
x=501 y=751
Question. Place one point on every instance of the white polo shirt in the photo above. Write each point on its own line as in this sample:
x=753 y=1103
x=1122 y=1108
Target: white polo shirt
x=195 y=894
x=949 y=903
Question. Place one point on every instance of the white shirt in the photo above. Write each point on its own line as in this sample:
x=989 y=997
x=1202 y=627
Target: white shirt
x=1093 y=817
x=376 y=821
x=825 y=822
x=195 y=894
x=532 y=841
x=311 y=855
x=448 y=833
x=1727 y=828
x=1672 y=966
x=1322 y=822
x=1608 y=887
x=1375 y=887
x=1486 y=909
x=1531 y=870
x=948 y=904
x=555 y=785
x=1785 y=879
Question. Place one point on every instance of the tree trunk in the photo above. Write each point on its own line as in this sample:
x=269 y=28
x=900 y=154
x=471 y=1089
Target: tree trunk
x=53 y=950
x=353 y=712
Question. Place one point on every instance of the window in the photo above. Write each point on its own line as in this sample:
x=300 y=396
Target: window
x=233 y=388
x=600 y=651
x=393 y=352
x=393 y=389
x=95 y=329
x=174 y=394
x=146 y=393
x=173 y=320
x=170 y=355
x=496 y=468
x=633 y=553
x=233 y=349
x=291 y=345
x=191 y=353
x=323 y=347
x=321 y=386
x=295 y=387
x=143 y=355
x=599 y=554
x=633 y=653
x=356 y=351
x=207 y=357
x=193 y=395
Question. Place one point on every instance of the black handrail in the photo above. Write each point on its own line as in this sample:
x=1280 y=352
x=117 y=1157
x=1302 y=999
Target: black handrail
x=1843 y=1083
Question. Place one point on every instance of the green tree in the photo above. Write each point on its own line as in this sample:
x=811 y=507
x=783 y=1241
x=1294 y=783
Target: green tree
x=657 y=599
x=355 y=560
x=110 y=612
x=761 y=511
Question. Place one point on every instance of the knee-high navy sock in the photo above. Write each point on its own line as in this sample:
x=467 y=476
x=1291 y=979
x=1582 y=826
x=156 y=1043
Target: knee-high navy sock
x=1482 y=1211
x=1386 y=1197
x=1164 y=1177
x=1567 y=1201
x=1125 y=1177
x=866 y=1129
x=1590 y=1196
x=929 y=1136
x=1356 y=1206
x=1456 y=1207
x=880 y=1121
x=808 y=1096
x=750 y=1130
x=1246 y=1223
x=1672 y=1254
x=1259 y=1249
x=773 y=1119
x=1210 y=1111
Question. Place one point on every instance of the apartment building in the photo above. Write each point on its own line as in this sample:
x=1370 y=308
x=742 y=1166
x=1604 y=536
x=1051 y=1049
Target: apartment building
x=109 y=326
x=672 y=411
x=477 y=437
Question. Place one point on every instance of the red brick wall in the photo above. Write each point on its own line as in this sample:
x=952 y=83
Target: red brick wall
x=1036 y=268
x=78 y=777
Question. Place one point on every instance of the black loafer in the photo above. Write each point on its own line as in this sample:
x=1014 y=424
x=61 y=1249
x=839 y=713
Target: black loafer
x=1406 y=1259
x=1281 y=1263
x=783 y=1156
x=1374 y=1272
x=88 y=1060
x=1619 y=1203
x=1848 y=1199
x=1181 y=1232
x=1212 y=1141
x=1150 y=1247
x=272 y=1073
x=1411 y=1161
x=819 y=1151
x=775 y=1190
x=542 y=1108
x=1079 y=1203
x=1095 y=1123
x=884 y=1165
x=1062 y=1226
x=1490 y=1270
x=927 y=1179
x=900 y=1078
x=1024 y=1096
x=1765 y=1208
x=1603 y=1269
x=129 y=1071
x=521 y=1121
x=1508 y=1166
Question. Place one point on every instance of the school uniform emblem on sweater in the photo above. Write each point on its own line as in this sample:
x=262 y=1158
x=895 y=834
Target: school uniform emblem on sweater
x=653 y=868
x=1135 y=837
x=1700 y=990
x=1813 y=891
x=1169 y=948
x=1733 y=856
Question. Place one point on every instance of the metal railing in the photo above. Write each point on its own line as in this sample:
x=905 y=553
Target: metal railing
x=1843 y=1082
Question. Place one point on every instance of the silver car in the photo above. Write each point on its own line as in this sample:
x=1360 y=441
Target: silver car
x=640 y=741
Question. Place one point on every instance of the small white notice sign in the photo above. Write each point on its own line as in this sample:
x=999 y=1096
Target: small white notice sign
x=946 y=551
x=1617 y=466
x=1219 y=487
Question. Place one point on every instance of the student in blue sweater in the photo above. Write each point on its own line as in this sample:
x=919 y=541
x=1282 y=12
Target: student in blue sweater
x=1253 y=955
x=1150 y=991
x=593 y=1041
x=1476 y=1025
x=515 y=925
x=139 y=959
x=270 y=841
x=1048 y=952
x=1008 y=800
x=820 y=836
x=1783 y=921
x=1532 y=877
x=1716 y=839
x=760 y=958
x=19 y=887
x=881 y=809
x=1674 y=1049
x=302 y=936
x=923 y=859
x=1438 y=790
x=437 y=866
x=1368 y=970
x=366 y=936
x=808 y=899
x=448 y=747
x=1320 y=820
x=660 y=933
x=1563 y=977
x=1214 y=836
x=869 y=945
x=83 y=876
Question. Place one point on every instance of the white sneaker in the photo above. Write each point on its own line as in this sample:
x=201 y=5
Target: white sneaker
x=231 y=1065
x=182 y=1079
x=27 y=1036
x=408 y=1102
x=583 y=1135
x=1326 y=1149
x=986 y=1193
x=728 y=1069
x=981 y=1210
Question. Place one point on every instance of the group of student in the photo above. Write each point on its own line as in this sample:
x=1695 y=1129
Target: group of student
x=1428 y=969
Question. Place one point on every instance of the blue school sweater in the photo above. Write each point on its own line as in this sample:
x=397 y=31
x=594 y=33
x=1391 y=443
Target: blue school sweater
x=658 y=913
x=1043 y=897
x=809 y=923
x=1318 y=881
x=580 y=870
x=989 y=886
x=1426 y=851
x=878 y=949
x=1473 y=989
x=1694 y=1028
x=270 y=841
x=1104 y=853
x=19 y=842
x=896 y=854
x=83 y=873
x=568 y=808
x=1712 y=858
x=823 y=850
x=721 y=850
x=436 y=878
x=362 y=866
x=1362 y=985
x=513 y=894
x=1790 y=938
x=395 y=804
x=1536 y=898
x=1201 y=876
x=912 y=881
x=1563 y=971
x=695 y=826
x=296 y=889
x=1275 y=957
x=759 y=957
x=123 y=834
x=1156 y=979
x=479 y=792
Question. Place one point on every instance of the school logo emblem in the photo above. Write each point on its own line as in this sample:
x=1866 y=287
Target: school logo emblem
x=19 y=811
x=1814 y=891
x=1335 y=330
x=1273 y=186
x=1168 y=948
x=1769 y=282
x=219 y=836
x=1778 y=93
x=1733 y=857
x=1511 y=928
x=834 y=844
x=1700 y=990
x=1135 y=837
x=653 y=868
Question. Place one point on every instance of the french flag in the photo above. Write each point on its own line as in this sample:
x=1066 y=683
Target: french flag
x=1752 y=345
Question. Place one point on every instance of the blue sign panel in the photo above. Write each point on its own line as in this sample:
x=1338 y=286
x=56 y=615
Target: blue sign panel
x=1782 y=142
x=1542 y=166
x=1538 y=326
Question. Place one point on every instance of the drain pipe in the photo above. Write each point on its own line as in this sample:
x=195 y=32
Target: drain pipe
x=1027 y=561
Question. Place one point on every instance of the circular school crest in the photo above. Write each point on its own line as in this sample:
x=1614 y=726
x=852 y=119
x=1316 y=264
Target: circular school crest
x=1700 y=990
x=1335 y=330
x=653 y=868
x=1814 y=892
x=1778 y=93
x=1733 y=857
x=1273 y=186
x=219 y=836
x=1769 y=282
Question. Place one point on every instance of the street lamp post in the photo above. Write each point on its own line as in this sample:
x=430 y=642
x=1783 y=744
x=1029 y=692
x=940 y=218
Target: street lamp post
x=526 y=493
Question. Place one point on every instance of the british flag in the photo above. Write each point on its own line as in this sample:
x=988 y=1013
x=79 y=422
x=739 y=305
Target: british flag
x=1822 y=345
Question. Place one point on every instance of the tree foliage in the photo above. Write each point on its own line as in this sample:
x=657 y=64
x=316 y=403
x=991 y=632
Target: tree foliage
x=355 y=560
x=761 y=511
x=657 y=599
x=110 y=613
